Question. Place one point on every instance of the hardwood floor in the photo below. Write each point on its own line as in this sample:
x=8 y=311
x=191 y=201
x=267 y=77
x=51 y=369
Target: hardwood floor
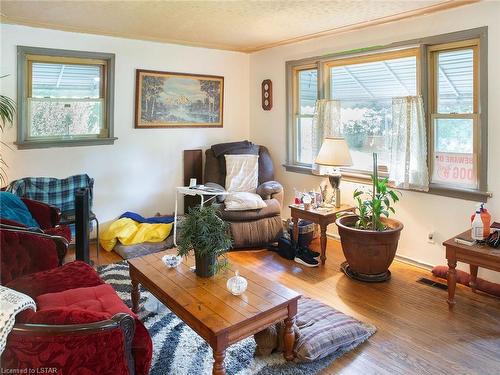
x=417 y=334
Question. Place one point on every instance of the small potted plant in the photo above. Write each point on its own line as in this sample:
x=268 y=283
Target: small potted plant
x=370 y=238
x=205 y=233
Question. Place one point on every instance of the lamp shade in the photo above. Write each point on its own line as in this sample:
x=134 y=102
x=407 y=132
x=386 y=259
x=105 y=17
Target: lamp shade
x=334 y=152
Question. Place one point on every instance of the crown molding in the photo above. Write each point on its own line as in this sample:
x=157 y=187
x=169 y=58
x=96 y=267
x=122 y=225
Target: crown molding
x=446 y=5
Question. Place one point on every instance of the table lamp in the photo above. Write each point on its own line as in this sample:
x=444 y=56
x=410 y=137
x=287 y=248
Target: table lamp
x=335 y=153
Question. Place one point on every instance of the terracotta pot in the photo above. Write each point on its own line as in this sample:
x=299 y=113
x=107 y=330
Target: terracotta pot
x=205 y=265
x=368 y=253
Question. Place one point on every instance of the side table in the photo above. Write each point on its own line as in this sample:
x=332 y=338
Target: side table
x=320 y=217
x=478 y=255
x=186 y=190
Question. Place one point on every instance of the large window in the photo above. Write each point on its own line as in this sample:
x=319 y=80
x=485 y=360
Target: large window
x=454 y=116
x=65 y=98
x=365 y=87
x=447 y=71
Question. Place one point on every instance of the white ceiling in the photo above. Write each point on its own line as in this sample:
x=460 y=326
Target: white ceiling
x=234 y=25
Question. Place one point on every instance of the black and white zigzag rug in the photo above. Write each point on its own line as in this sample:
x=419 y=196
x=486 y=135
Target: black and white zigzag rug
x=178 y=350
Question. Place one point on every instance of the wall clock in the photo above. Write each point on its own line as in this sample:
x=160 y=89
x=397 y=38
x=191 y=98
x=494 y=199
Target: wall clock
x=267 y=95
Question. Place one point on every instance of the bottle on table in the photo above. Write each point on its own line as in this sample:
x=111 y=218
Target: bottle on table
x=477 y=227
x=485 y=218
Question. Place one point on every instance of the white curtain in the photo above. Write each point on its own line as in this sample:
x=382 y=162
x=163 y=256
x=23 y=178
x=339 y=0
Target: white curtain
x=326 y=123
x=408 y=167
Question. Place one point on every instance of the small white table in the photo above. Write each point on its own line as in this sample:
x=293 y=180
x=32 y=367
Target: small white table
x=185 y=190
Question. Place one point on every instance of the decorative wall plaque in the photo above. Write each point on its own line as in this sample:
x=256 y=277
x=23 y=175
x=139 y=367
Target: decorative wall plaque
x=267 y=95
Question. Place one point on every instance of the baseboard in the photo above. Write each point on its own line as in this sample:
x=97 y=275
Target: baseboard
x=399 y=258
x=333 y=236
x=412 y=262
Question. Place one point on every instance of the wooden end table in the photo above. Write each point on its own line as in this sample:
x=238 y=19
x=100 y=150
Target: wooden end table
x=320 y=217
x=210 y=309
x=479 y=255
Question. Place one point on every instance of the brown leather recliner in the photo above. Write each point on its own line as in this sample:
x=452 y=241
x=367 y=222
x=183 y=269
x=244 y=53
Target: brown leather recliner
x=251 y=228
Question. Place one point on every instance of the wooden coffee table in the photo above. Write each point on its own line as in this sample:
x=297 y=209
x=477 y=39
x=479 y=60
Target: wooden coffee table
x=205 y=304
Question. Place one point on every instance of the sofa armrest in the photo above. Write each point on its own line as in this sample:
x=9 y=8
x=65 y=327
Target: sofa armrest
x=122 y=323
x=46 y=215
x=270 y=190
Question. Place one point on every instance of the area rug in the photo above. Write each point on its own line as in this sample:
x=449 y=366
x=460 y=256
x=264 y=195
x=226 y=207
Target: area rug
x=178 y=350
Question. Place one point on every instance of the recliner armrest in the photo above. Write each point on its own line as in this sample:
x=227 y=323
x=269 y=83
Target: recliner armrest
x=269 y=189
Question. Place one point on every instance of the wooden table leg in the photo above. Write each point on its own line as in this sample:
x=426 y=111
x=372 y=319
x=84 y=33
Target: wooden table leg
x=136 y=295
x=289 y=334
x=452 y=282
x=295 y=221
x=323 y=240
x=473 y=277
x=218 y=368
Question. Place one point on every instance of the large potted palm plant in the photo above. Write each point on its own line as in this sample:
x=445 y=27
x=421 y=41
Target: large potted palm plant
x=207 y=235
x=370 y=238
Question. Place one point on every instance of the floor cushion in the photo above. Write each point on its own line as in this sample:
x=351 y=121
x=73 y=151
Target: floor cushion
x=464 y=278
x=142 y=249
x=320 y=331
x=72 y=275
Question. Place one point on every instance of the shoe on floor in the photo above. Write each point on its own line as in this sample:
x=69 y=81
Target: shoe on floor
x=305 y=259
x=311 y=253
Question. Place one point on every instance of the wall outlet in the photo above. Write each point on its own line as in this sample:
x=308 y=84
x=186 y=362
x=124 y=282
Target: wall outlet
x=430 y=237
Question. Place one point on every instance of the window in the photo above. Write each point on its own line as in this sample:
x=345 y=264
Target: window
x=454 y=116
x=306 y=84
x=449 y=71
x=65 y=98
x=365 y=87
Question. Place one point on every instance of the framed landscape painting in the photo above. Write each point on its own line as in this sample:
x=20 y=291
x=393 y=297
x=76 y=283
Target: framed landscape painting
x=177 y=100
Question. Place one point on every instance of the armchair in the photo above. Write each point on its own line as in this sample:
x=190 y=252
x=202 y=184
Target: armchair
x=46 y=215
x=251 y=228
x=80 y=326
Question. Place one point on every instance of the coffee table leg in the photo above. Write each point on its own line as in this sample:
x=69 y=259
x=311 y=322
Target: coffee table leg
x=136 y=295
x=289 y=339
x=323 y=244
x=452 y=282
x=289 y=334
x=218 y=368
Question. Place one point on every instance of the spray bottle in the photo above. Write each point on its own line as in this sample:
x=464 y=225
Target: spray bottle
x=485 y=218
x=477 y=232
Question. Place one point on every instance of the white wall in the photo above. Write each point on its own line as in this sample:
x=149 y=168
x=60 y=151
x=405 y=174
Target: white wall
x=420 y=213
x=139 y=172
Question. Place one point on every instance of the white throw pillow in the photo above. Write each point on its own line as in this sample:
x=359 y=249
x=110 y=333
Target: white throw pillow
x=242 y=201
x=242 y=172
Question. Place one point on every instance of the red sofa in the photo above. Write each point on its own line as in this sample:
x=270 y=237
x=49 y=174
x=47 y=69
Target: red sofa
x=81 y=326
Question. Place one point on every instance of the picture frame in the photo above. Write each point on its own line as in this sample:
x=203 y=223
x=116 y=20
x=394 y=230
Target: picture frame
x=178 y=100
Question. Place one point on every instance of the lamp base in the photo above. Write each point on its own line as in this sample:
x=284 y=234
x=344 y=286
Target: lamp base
x=335 y=182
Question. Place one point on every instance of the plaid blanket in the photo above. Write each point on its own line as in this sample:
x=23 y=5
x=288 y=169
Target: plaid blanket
x=53 y=191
